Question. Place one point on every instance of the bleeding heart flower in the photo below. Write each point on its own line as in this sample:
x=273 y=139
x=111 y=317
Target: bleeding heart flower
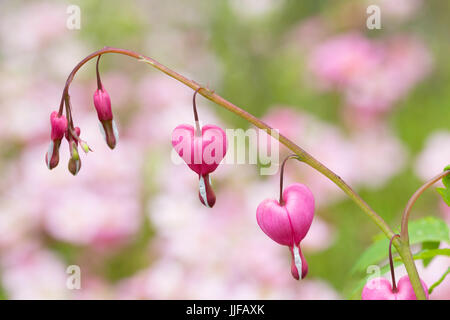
x=381 y=289
x=202 y=153
x=58 y=128
x=288 y=223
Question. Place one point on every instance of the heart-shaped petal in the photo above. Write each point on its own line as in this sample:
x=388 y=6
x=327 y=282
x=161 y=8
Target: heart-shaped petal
x=201 y=153
x=274 y=220
x=287 y=224
x=299 y=202
x=381 y=289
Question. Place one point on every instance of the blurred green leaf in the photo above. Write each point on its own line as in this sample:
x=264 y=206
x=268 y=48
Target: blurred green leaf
x=429 y=245
x=429 y=229
x=434 y=285
x=445 y=192
x=428 y=254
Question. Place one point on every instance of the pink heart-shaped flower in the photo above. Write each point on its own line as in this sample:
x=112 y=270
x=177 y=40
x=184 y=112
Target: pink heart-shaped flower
x=288 y=223
x=202 y=153
x=381 y=289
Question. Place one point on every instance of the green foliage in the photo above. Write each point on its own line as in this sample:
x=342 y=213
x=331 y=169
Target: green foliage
x=434 y=285
x=429 y=231
x=445 y=192
x=429 y=245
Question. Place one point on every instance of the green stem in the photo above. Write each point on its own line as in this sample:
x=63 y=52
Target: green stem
x=410 y=266
x=302 y=154
x=405 y=251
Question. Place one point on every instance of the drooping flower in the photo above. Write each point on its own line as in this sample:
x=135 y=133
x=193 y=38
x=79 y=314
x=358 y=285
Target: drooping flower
x=58 y=128
x=202 y=152
x=381 y=289
x=287 y=223
x=108 y=127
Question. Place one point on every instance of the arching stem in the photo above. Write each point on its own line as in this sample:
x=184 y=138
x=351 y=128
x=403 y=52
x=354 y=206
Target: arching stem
x=198 y=130
x=99 y=81
x=391 y=264
x=282 y=175
x=413 y=199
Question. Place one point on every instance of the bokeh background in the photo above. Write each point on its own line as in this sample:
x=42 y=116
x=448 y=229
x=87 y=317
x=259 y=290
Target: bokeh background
x=373 y=105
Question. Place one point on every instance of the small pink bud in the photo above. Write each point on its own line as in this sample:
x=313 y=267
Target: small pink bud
x=102 y=103
x=381 y=289
x=202 y=153
x=52 y=155
x=288 y=223
x=58 y=128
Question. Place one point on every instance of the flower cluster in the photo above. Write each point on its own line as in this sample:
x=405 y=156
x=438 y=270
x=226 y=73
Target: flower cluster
x=62 y=126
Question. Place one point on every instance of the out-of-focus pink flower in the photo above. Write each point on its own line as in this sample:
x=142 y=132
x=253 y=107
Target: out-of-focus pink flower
x=308 y=33
x=372 y=74
x=396 y=11
x=404 y=63
x=81 y=217
x=434 y=156
x=32 y=273
x=337 y=61
x=378 y=155
x=17 y=221
x=36 y=25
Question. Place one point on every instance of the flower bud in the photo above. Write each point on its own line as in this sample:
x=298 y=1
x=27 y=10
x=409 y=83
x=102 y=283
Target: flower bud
x=58 y=128
x=74 y=166
x=52 y=155
x=102 y=103
x=85 y=147
x=74 y=161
